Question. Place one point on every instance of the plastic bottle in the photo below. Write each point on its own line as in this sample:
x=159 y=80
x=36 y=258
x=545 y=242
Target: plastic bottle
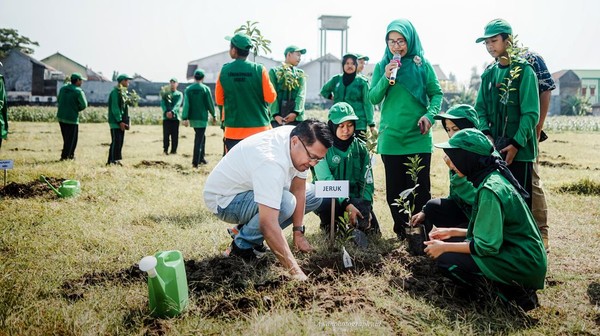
x=167 y=283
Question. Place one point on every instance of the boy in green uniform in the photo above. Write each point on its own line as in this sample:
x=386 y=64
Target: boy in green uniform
x=3 y=110
x=196 y=103
x=171 y=103
x=508 y=103
x=502 y=242
x=71 y=101
x=118 y=118
x=290 y=85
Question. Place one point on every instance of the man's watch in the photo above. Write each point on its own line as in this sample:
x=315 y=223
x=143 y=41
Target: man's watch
x=299 y=228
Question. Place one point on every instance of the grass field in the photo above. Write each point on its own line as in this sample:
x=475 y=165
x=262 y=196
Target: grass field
x=69 y=266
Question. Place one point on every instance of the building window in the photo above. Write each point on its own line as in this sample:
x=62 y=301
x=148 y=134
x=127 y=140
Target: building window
x=593 y=90
x=583 y=90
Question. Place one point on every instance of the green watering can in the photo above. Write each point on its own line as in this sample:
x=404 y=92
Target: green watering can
x=69 y=188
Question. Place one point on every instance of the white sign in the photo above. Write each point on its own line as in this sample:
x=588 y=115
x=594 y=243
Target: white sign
x=332 y=189
x=6 y=164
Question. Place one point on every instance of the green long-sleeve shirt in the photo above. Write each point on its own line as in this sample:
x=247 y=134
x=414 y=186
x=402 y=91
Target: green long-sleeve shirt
x=353 y=165
x=297 y=95
x=71 y=101
x=172 y=102
x=117 y=108
x=356 y=94
x=517 y=118
x=399 y=132
x=197 y=104
x=505 y=241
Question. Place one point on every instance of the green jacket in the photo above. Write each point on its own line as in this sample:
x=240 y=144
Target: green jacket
x=197 y=102
x=505 y=240
x=356 y=94
x=118 y=110
x=171 y=102
x=353 y=165
x=3 y=110
x=517 y=118
x=298 y=95
x=399 y=132
x=71 y=101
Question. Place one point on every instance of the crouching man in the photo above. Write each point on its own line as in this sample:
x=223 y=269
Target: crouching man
x=260 y=185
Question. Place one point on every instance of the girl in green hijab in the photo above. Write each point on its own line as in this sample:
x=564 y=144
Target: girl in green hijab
x=407 y=111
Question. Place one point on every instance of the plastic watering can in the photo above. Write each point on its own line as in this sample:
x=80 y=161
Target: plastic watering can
x=167 y=283
x=68 y=188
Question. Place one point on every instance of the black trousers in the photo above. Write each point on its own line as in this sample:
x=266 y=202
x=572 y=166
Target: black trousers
x=170 y=130
x=444 y=212
x=69 y=134
x=229 y=143
x=396 y=180
x=199 y=145
x=523 y=172
x=114 y=152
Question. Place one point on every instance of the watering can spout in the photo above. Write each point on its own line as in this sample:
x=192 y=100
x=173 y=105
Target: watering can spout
x=44 y=179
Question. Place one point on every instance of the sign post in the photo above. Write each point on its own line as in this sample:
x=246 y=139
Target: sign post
x=333 y=190
x=6 y=165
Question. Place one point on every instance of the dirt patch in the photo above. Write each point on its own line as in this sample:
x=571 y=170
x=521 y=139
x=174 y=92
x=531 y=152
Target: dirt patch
x=74 y=290
x=34 y=188
x=581 y=187
x=560 y=141
x=557 y=164
x=593 y=292
x=157 y=164
x=22 y=150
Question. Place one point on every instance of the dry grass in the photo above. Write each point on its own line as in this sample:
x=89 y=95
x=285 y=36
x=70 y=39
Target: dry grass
x=68 y=266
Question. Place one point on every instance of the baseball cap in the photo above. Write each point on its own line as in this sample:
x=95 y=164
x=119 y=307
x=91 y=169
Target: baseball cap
x=293 y=48
x=240 y=40
x=77 y=75
x=495 y=27
x=471 y=140
x=362 y=57
x=199 y=73
x=123 y=77
x=173 y=80
x=341 y=112
x=460 y=111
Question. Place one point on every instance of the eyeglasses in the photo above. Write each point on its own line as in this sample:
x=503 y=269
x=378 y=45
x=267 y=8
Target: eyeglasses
x=311 y=158
x=398 y=42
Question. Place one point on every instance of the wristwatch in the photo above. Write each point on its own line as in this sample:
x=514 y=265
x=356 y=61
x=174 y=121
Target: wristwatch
x=299 y=228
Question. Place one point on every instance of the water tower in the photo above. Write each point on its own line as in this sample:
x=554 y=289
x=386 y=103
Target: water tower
x=335 y=23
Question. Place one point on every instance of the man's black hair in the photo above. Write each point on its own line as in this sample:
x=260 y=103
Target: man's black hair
x=198 y=77
x=241 y=52
x=312 y=130
x=74 y=80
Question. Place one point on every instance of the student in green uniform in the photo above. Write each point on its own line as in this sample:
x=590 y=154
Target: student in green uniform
x=354 y=90
x=454 y=210
x=71 y=101
x=3 y=110
x=502 y=242
x=118 y=119
x=348 y=159
x=508 y=103
x=171 y=103
x=290 y=85
x=197 y=105
x=407 y=111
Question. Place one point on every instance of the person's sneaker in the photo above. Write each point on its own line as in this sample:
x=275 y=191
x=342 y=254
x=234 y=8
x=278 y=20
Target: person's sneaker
x=203 y=162
x=261 y=250
x=246 y=254
x=233 y=231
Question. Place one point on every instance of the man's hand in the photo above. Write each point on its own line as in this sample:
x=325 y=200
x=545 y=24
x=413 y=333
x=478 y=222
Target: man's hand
x=301 y=243
x=290 y=118
x=440 y=233
x=354 y=214
x=122 y=126
x=435 y=248
x=213 y=121
x=169 y=115
x=511 y=152
x=298 y=274
x=417 y=219
x=424 y=125
x=279 y=119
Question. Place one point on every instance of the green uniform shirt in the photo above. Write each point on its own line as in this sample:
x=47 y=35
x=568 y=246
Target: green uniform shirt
x=356 y=94
x=506 y=242
x=197 y=102
x=172 y=102
x=117 y=109
x=3 y=110
x=71 y=101
x=399 y=132
x=297 y=95
x=517 y=118
x=353 y=165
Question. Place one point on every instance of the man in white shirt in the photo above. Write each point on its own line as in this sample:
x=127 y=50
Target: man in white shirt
x=261 y=186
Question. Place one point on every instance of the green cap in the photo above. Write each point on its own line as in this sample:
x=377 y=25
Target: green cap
x=240 y=40
x=77 y=75
x=460 y=111
x=495 y=27
x=341 y=112
x=199 y=73
x=122 y=77
x=173 y=80
x=471 y=140
x=293 y=48
x=362 y=57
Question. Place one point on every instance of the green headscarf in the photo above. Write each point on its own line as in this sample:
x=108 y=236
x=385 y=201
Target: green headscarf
x=410 y=75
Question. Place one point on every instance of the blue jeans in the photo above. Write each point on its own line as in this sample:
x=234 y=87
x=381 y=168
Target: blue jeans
x=243 y=210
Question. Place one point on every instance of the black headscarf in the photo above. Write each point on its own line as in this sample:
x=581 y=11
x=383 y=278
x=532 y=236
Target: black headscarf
x=477 y=167
x=337 y=142
x=348 y=78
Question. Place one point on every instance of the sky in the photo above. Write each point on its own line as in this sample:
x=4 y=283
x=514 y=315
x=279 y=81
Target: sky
x=157 y=39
